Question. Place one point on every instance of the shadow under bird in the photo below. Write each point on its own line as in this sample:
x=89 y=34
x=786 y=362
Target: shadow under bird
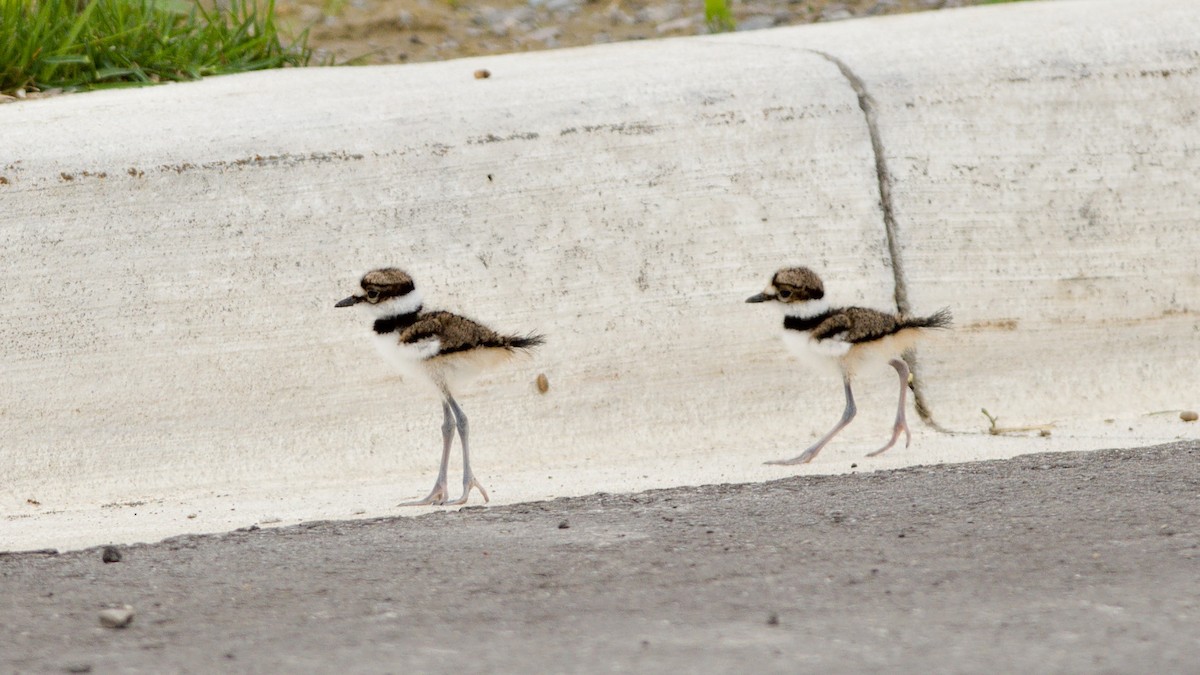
x=847 y=338
x=441 y=349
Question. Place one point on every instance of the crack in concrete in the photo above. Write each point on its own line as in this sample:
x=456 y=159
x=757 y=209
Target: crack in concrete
x=884 y=180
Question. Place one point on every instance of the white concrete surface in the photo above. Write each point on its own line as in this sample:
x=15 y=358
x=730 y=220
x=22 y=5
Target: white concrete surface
x=1045 y=185
x=173 y=362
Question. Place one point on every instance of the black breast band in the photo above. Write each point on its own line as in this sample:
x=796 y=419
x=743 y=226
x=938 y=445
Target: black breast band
x=395 y=323
x=806 y=323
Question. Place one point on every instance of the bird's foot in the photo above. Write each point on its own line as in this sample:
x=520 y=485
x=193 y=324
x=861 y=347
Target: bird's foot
x=803 y=458
x=469 y=483
x=436 y=497
x=900 y=426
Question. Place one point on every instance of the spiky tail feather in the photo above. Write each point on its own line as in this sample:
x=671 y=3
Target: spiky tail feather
x=525 y=341
x=939 y=319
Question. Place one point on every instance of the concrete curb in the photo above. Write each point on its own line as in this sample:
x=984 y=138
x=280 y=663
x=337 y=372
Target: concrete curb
x=174 y=254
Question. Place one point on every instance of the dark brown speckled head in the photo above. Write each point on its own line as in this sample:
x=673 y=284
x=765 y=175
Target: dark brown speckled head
x=381 y=284
x=792 y=284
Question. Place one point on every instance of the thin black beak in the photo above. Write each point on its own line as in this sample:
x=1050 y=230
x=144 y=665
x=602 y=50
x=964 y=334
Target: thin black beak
x=352 y=300
x=761 y=297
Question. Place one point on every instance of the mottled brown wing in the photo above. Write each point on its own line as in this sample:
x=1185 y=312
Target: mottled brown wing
x=454 y=333
x=869 y=324
x=837 y=322
x=856 y=324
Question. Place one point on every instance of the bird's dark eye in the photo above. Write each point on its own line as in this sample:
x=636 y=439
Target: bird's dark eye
x=373 y=296
x=784 y=294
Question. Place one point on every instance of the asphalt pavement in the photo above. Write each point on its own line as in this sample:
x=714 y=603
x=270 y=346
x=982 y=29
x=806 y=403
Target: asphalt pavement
x=1067 y=562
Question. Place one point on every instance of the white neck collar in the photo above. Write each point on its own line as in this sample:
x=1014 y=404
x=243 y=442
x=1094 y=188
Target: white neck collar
x=806 y=309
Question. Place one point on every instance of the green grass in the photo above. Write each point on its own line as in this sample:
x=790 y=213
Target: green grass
x=91 y=44
x=718 y=17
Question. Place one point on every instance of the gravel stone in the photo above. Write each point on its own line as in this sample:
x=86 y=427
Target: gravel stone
x=757 y=22
x=117 y=617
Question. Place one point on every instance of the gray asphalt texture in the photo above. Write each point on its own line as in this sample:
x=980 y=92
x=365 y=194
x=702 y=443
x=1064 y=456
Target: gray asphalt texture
x=1045 y=563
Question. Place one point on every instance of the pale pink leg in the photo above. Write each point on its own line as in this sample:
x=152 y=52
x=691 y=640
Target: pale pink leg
x=469 y=480
x=440 y=493
x=901 y=424
x=808 y=455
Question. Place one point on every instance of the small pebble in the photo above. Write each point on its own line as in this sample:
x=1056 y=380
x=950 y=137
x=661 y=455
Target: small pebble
x=1188 y=416
x=686 y=24
x=118 y=617
x=483 y=74
x=78 y=668
x=111 y=554
x=564 y=525
x=756 y=22
x=546 y=35
x=773 y=619
x=543 y=383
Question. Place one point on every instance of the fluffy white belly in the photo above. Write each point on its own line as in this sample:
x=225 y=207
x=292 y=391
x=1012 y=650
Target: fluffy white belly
x=838 y=356
x=422 y=363
x=821 y=356
x=409 y=360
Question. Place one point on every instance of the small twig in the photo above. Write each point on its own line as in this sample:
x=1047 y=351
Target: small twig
x=1043 y=429
x=991 y=421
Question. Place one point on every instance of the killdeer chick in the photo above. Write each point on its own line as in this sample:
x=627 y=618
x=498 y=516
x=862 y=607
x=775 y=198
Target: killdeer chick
x=846 y=338
x=438 y=348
